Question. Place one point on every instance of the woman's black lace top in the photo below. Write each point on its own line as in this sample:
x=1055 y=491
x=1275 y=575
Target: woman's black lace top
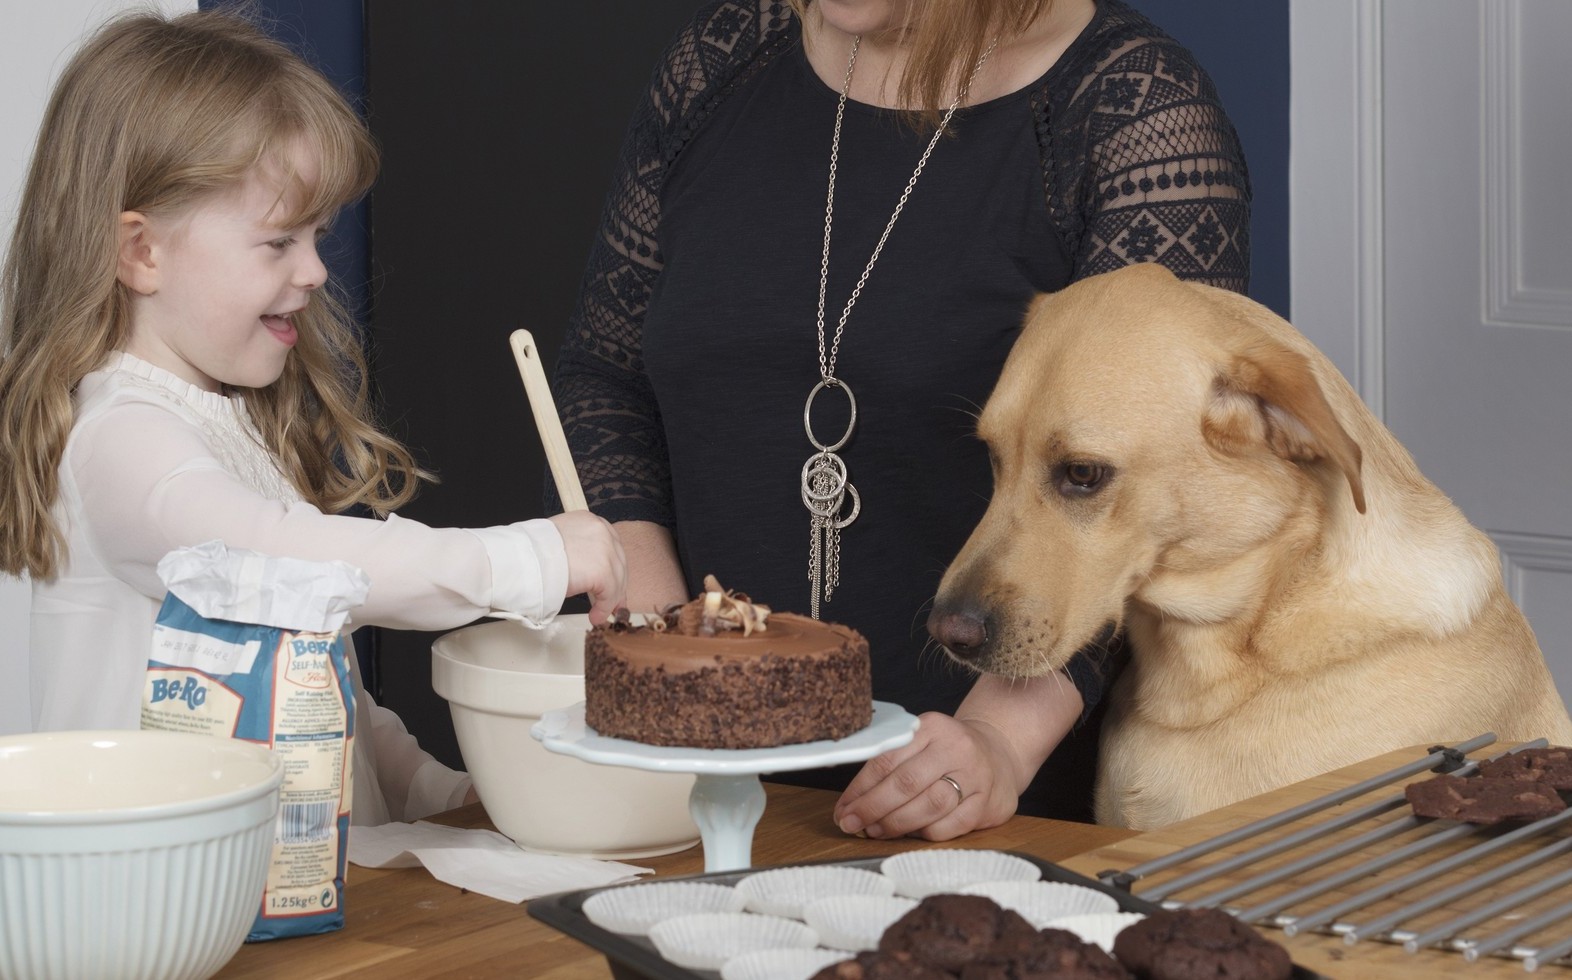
x=682 y=379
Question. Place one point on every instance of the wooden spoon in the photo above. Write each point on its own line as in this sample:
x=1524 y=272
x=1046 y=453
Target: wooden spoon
x=547 y=421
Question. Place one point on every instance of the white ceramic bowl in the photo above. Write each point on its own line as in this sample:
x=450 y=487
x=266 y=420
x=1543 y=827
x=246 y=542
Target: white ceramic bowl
x=131 y=854
x=499 y=678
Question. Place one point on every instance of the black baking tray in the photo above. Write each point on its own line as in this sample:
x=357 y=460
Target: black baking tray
x=635 y=957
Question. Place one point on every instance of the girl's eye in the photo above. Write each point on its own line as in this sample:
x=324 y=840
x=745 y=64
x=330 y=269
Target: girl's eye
x=279 y=244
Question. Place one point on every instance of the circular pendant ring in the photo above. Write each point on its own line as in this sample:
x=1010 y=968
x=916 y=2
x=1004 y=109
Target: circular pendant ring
x=823 y=477
x=856 y=507
x=807 y=420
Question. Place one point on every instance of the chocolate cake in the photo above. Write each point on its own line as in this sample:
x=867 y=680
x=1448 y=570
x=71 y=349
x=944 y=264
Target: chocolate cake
x=723 y=672
x=1551 y=766
x=1199 y=944
x=1482 y=800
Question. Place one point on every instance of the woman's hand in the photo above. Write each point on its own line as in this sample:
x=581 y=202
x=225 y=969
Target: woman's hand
x=596 y=564
x=991 y=749
x=906 y=791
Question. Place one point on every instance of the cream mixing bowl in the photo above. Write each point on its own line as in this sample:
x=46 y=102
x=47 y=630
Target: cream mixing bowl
x=498 y=678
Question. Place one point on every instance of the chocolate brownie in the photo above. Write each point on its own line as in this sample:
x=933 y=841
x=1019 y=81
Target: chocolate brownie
x=1052 y=954
x=1191 y=944
x=1482 y=800
x=882 y=966
x=1552 y=767
x=951 y=931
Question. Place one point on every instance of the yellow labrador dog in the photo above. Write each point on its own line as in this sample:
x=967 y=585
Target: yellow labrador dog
x=1176 y=459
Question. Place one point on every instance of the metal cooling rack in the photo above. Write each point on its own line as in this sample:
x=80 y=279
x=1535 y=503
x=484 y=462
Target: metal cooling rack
x=1376 y=872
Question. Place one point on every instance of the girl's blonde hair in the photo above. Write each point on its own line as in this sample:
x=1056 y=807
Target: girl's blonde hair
x=154 y=115
x=945 y=38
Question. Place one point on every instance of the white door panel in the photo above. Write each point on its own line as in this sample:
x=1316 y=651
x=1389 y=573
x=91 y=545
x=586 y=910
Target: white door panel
x=1462 y=218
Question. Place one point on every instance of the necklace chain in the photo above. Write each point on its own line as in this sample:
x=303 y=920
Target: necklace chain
x=826 y=486
x=827 y=359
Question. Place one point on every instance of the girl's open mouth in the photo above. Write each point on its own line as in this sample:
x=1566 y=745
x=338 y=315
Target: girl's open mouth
x=282 y=328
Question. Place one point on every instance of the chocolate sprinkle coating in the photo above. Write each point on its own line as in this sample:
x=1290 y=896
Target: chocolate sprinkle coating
x=739 y=703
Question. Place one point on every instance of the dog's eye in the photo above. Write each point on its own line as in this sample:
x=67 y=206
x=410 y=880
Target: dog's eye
x=1080 y=478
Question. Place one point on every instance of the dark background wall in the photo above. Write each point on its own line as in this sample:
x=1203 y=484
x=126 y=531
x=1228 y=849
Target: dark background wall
x=499 y=123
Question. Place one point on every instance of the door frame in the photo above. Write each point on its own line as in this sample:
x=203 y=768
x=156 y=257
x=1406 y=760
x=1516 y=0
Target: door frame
x=1336 y=238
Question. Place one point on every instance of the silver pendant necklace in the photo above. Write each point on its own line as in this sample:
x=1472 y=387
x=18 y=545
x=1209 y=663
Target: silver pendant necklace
x=826 y=484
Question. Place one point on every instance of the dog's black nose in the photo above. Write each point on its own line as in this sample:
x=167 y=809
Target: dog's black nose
x=961 y=627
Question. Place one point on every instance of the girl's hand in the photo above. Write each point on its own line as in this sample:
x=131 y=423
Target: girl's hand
x=596 y=564
x=904 y=792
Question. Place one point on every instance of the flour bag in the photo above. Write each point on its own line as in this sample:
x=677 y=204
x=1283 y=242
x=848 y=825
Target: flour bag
x=248 y=646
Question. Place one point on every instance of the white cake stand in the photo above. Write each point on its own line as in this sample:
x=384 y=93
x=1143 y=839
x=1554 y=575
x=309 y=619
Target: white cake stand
x=727 y=799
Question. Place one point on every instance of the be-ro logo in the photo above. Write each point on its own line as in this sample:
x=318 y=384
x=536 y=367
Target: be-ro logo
x=189 y=691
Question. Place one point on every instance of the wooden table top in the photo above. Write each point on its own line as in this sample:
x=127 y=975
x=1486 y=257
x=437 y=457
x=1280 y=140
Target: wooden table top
x=403 y=924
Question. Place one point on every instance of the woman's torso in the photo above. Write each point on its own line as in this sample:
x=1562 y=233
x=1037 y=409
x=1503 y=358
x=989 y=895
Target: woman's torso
x=731 y=348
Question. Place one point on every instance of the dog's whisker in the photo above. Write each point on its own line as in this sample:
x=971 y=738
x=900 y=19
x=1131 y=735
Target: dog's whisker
x=920 y=616
x=970 y=409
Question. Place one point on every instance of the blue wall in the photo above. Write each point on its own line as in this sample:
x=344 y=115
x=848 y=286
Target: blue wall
x=1243 y=44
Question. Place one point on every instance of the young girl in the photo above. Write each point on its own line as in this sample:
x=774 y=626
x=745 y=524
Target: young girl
x=174 y=373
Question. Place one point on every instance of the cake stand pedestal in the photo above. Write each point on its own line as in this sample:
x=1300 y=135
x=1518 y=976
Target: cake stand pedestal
x=727 y=799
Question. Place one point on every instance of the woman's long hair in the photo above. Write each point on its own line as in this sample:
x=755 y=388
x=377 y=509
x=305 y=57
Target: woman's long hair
x=154 y=115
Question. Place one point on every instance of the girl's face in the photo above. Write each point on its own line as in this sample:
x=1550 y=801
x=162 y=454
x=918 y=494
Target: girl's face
x=224 y=281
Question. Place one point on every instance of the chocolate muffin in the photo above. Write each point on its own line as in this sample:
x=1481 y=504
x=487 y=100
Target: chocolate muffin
x=1482 y=800
x=1052 y=954
x=951 y=931
x=1551 y=766
x=1192 y=944
x=882 y=966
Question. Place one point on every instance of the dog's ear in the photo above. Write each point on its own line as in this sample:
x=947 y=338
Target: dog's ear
x=1269 y=393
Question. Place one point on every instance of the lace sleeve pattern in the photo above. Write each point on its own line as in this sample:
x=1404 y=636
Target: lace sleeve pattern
x=609 y=411
x=1141 y=164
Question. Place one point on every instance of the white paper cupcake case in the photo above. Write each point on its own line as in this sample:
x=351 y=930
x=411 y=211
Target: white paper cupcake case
x=707 y=940
x=1038 y=902
x=855 y=922
x=918 y=874
x=780 y=964
x=1099 y=928
x=632 y=910
x=785 y=891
